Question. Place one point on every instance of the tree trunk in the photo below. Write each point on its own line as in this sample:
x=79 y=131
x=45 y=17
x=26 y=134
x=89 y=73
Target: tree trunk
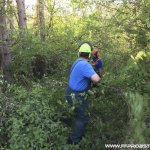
x=4 y=46
x=41 y=18
x=21 y=14
x=10 y=15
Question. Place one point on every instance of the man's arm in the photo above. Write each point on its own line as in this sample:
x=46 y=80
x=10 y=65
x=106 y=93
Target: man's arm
x=95 y=78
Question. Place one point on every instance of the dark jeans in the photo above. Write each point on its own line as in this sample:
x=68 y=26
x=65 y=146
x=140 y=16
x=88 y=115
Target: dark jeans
x=79 y=100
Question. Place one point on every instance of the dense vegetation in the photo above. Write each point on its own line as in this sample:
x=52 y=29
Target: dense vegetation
x=34 y=113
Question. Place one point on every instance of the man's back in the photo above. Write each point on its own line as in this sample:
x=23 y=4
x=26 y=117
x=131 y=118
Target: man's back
x=80 y=75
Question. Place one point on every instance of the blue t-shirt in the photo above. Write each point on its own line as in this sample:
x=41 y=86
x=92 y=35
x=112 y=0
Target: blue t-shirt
x=80 y=75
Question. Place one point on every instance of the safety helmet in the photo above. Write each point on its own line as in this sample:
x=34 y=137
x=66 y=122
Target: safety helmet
x=86 y=47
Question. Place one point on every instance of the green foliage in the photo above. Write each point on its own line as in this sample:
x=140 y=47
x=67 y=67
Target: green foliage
x=33 y=123
x=26 y=51
x=135 y=78
x=36 y=122
x=137 y=132
x=34 y=111
x=6 y=107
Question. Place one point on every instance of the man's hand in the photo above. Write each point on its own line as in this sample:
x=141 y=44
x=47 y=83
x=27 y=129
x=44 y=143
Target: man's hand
x=94 y=85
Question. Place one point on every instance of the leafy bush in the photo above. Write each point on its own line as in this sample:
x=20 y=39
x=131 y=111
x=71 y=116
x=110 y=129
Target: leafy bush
x=137 y=130
x=6 y=106
x=33 y=124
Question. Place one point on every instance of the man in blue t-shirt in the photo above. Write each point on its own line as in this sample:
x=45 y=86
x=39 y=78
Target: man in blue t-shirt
x=82 y=73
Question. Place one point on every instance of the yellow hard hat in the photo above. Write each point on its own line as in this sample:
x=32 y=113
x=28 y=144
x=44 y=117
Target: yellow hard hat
x=85 y=48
